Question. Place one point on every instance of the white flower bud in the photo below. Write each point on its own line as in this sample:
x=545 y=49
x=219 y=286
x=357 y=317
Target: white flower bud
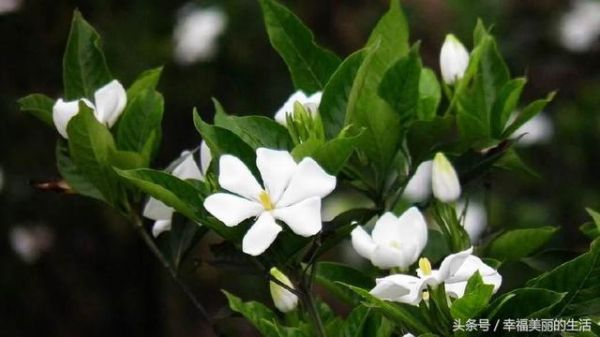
x=454 y=59
x=444 y=180
x=284 y=300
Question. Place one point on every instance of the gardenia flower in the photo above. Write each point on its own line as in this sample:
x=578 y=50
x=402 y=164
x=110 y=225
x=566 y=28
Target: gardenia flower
x=283 y=299
x=454 y=59
x=196 y=32
x=418 y=187
x=292 y=193
x=110 y=100
x=186 y=169
x=395 y=241
x=580 y=27
x=311 y=103
x=455 y=271
x=444 y=180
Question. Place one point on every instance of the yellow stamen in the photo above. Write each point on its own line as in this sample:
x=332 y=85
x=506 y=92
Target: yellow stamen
x=265 y=200
x=426 y=295
x=425 y=266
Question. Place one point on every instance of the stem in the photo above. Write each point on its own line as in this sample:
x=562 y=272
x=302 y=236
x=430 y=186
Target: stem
x=311 y=307
x=163 y=260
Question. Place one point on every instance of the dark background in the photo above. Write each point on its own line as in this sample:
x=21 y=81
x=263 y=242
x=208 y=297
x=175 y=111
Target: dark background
x=98 y=279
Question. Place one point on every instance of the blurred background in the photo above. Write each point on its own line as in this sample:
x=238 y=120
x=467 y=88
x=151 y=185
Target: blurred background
x=72 y=267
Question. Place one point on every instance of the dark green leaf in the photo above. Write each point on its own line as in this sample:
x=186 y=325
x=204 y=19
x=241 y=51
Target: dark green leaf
x=579 y=279
x=310 y=65
x=425 y=137
x=476 y=298
x=40 y=106
x=258 y=314
x=519 y=243
x=400 y=86
x=84 y=65
x=141 y=122
x=331 y=274
x=430 y=95
x=73 y=175
x=524 y=303
x=526 y=114
x=505 y=104
x=148 y=80
x=334 y=103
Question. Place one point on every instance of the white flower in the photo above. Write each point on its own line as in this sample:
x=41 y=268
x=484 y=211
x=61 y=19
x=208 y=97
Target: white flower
x=283 y=299
x=292 y=193
x=580 y=27
x=110 y=100
x=196 y=32
x=454 y=59
x=475 y=219
x=455 y=271
x=185 y=169
x=444 y=180
x=418 y=187
x=537 y=130
x=311 y=103
x=408 y=335
x=395 y=241
x=30 y=242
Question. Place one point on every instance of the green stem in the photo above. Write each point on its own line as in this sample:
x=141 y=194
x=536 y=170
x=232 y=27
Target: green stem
x=313 y=312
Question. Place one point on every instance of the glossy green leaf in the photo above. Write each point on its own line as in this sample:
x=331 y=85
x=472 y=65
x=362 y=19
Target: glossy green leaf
x=430 y=95
x=331 y=274
x=141 y=122
x=40 y=106
x=256 y=131
x=147 y=80
x=425 y=137
x=525 y=303
x=73 y=175
x=579 y=279
x=336 y=93
x=526 y=114
x=257 y=313
x=505 y=104
x=84 y=65
x=519 y=243
x=400 y=86
x=310 y=65
x=476 y=298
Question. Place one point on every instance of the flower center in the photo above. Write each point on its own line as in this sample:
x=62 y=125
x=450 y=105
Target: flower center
x=425 y=266
x=265 y=200
x=395 y=244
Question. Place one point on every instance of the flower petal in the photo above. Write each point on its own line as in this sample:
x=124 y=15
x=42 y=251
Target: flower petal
x=231 y=209
x=412 y=231
x=386 y=257
x=418 y=187
x=261 y=235
x=288 y=106
x=187 y=168
x=450 y=265
x=386 y=231
x=110 y=101
x=157 y=210
x=472 y=265
x=362 y=242
x=276 y=168
x=399 y=288
x=309 y=180
x=303 y=218
x=235 y=177
x=444 y=180
x=161 y=226
x=205 y=157
x=62 y=112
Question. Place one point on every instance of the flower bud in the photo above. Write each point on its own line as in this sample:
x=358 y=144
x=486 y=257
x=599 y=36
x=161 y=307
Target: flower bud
x=284 y=300
x=444 y=180
x=454 y=59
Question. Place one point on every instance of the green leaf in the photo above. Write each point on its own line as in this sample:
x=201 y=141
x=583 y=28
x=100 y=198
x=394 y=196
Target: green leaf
x=73 y=175
x=430 y=95
x=526 y=114
x=141 y=122
x=400 y=86
x=595 y=216
x=256 y=131
x=222 y=141
x=524 y=303
x=505 y=104
x=147 y=80
x=310 y=65
x=519 y=243
x=476 y=298
x=84 y=65
x=40 y=106
x=331 y=274
x=387 y=44
x=181 y=239
x=425 y=137
x=90 y=147
x=261 y=317
x=334 y=103
x=333 y=154
x=355 y=322
x=399 y=313
x=592 y=229
x=579 y=279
